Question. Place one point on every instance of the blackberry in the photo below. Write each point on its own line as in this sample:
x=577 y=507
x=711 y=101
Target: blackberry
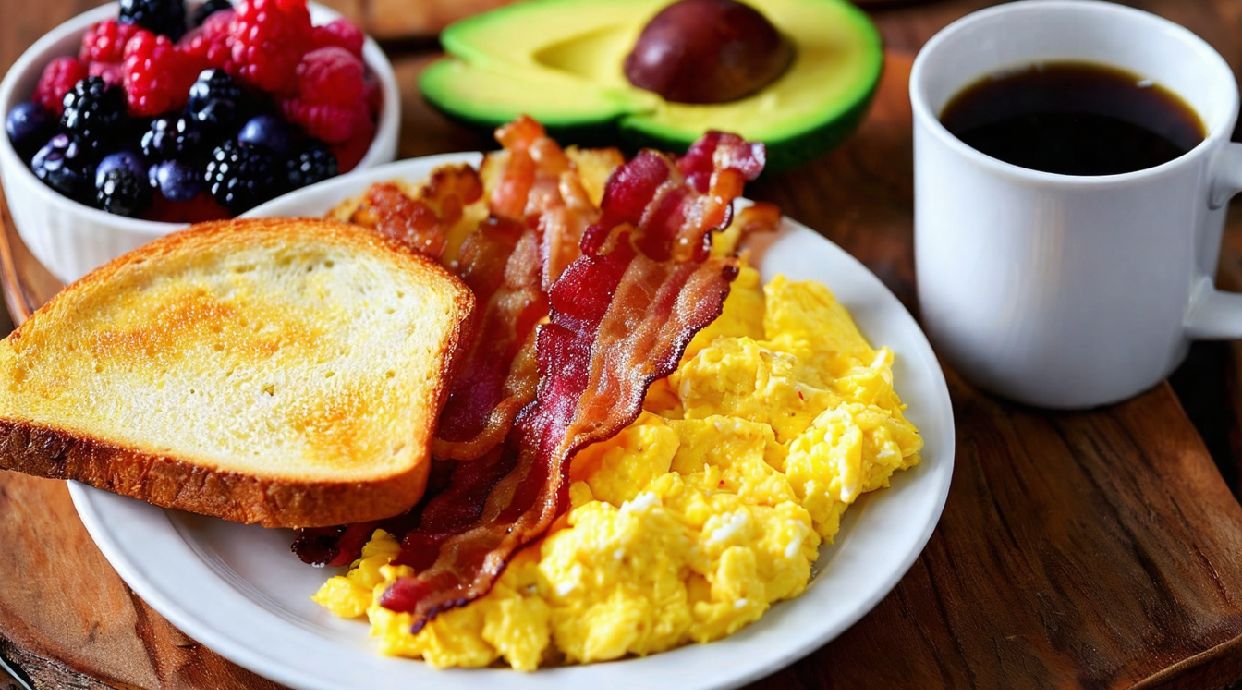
x=93 y=109
x=164 y=17
x=122 y=192
x=208 y=8
x=315 y=163
x=241 y=177
x=217 y=101
x=172 y=137
x=61 y=165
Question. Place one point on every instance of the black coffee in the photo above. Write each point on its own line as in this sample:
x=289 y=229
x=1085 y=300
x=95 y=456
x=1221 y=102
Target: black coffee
x=1073 y=118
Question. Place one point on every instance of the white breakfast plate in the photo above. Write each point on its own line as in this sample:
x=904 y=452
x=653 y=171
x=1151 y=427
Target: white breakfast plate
x=240 y=591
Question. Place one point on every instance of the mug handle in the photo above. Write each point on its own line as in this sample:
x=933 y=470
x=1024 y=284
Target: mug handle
x=1216 y=314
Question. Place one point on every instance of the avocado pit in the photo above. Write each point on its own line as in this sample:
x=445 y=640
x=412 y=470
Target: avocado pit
x=708 y=51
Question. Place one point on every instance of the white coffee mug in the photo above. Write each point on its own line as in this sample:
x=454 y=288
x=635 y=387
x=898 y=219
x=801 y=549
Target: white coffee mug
x=1064 y=291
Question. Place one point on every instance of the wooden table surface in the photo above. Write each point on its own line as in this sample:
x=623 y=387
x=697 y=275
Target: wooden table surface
x=1097 y=549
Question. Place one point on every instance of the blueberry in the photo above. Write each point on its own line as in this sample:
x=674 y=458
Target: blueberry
x=267 y=131
x=176 y=180
x=28 y=126
x=121 y=159
x=61 y=165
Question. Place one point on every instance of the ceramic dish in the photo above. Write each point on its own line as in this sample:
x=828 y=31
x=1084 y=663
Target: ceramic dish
x=70 y=238
x=239 y=590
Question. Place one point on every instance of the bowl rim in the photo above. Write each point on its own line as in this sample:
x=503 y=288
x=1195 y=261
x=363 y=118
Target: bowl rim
x=38 y=53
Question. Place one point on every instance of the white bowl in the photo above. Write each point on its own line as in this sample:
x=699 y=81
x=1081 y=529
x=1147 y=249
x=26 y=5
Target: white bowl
x=70 y=238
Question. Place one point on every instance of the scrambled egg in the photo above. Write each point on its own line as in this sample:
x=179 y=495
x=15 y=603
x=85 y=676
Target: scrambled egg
x=697 y=517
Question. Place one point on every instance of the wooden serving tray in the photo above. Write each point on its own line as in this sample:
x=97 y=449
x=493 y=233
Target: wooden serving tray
x=1098 y=549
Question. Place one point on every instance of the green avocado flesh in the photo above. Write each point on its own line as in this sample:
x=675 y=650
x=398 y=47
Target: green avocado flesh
x=561 y=62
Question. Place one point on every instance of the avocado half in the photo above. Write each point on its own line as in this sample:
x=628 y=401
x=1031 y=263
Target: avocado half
x=561 y=62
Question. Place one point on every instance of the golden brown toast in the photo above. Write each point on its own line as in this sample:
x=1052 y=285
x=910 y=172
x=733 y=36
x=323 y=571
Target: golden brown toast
x=286 y=372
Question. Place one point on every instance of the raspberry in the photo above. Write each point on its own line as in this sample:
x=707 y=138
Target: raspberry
x=58 y=77
x=332 y=124
x=331 y=76
x=331 y=98
x=338 y=33
x=105 y=42
x=374 y=94
x=211 y=44
x=271 y=36
x=111 y=72
x=351 y=152
x=157 y=75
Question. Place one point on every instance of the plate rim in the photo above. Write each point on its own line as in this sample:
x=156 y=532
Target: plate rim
x=86 y=498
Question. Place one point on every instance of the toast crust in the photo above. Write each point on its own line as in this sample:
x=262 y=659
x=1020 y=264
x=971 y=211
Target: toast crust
x=269 y=498
x=169 y=482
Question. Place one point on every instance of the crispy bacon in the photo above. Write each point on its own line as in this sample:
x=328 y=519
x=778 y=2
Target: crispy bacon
x=500 y=263
x=422 y=223
x=332 y=546
x=507 y=265
x=539 y=189
x=540 y=186
x=758 y=218
x=405 y=219
x=621 y=315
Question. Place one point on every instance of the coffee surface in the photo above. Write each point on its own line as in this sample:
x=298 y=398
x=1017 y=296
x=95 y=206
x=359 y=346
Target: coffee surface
x=1073 y=118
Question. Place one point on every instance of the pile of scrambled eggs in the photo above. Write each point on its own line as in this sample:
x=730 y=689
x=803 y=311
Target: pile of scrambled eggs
x=697 y=517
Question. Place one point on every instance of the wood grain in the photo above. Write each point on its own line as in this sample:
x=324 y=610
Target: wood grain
x=1098 y=549
x=1099 y=570
x=82 y=627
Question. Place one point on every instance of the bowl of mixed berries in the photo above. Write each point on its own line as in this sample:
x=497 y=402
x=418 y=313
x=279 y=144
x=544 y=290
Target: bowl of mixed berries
x=139 y=117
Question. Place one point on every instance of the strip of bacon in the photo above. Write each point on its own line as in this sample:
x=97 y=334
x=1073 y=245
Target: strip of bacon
x=508 y=264
x=500 y=263
x=621 y=316
x=540 y=186
x=540 y=189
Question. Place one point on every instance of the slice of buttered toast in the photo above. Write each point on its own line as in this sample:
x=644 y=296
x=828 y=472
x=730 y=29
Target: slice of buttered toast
x=287 y=372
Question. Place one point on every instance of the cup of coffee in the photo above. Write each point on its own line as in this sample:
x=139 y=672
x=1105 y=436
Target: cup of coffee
x=1072 y=162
